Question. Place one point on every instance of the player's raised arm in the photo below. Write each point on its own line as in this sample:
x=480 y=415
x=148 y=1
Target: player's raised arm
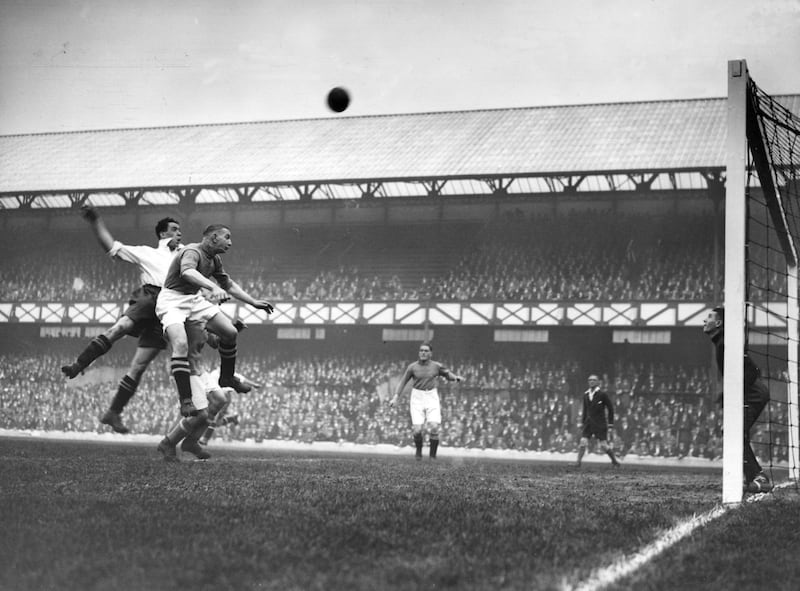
x=101 y=232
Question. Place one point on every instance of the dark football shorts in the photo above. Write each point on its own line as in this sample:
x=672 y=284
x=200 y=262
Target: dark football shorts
x=589 y=430
x=142 y=310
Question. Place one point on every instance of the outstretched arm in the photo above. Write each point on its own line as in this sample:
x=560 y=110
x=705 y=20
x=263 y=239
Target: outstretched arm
x=104 y=237
x=452 y=377
x=245 y=297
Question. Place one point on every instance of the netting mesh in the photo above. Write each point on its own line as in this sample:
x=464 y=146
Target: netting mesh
x=773 y=239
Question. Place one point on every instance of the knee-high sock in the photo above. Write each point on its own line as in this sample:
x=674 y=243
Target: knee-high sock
x=434 y=441
x=179 y=367
x=418 y=441
x=97 y=347
x=125 y=391
x=181 y=429
x=227 y=359
x=198 y=428
x=209 y=432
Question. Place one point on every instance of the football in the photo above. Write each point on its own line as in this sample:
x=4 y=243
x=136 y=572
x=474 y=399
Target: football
x=338 y=99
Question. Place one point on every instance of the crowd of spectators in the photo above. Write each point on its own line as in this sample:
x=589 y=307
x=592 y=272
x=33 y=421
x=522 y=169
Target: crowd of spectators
x=522 y=404
x=586 y=256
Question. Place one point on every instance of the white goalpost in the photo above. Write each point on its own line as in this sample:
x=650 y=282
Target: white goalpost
x=735 y=226
x=762 y=309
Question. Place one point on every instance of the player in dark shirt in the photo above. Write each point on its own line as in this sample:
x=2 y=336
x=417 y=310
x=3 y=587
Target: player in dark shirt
x=596 y=405
x=756 y=398
x=196 y=284
x=424 y=401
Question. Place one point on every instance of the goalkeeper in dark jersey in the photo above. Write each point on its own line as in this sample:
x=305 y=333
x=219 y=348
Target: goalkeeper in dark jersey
x=756 y=398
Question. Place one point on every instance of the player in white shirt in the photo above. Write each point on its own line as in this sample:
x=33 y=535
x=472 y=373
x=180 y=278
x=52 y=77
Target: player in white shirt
x=209 y=398
x=139 y=318
x=219 y=403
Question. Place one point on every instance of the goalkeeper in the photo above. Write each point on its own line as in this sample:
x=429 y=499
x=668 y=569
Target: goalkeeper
x=756 y=398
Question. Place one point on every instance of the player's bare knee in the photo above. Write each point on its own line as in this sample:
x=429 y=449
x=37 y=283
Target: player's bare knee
x=213 y=408
x=121 y=327
x=136 y=371
x=584 y=442
x=224 y=329
x=176 y=335
x=202 y=417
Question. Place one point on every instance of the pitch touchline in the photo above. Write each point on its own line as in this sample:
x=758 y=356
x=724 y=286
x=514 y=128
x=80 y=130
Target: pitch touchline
x=628 y=564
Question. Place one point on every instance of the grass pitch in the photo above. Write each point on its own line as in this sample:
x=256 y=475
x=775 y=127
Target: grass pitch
x=77 y=515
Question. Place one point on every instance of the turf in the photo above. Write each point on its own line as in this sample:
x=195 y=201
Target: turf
x=115 y=516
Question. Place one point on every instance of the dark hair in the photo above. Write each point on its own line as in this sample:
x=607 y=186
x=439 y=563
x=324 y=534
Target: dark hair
x=213 y=228
x=427 y=344
x=720 y=312
x=163 y=225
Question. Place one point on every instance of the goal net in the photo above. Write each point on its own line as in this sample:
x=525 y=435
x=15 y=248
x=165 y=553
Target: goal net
x=762 y=241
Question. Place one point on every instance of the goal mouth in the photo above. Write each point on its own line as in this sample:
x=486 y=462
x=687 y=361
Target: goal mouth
x=762 y=237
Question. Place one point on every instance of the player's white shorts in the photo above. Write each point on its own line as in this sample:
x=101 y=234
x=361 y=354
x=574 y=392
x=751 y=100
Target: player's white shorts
x=199 y=398
x=425 y=407
x=174 y=307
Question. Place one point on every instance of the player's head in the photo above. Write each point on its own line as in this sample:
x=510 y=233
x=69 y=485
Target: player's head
x=714 y=321
x=218 y=236
x=593 y=380
x=425 y=351
x=169 y=228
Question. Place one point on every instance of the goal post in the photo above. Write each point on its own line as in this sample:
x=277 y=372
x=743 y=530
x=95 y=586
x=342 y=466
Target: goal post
x=735 y=231
x=762 y=310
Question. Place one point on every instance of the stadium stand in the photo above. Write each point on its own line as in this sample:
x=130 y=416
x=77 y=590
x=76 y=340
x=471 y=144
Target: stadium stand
x=524 y=404
x=595 y=255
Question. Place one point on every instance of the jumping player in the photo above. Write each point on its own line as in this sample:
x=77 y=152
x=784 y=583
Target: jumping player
x=139 y=318
x=181 y=300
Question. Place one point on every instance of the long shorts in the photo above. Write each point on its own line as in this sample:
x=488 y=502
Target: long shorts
x=199 y=398
x=142 y=311
x=175 y=307
x=425 y=406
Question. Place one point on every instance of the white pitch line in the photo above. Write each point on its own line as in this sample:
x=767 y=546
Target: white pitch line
x=627 y=564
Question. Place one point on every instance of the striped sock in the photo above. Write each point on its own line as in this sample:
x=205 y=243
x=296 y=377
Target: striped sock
x=227 y=359
x=209 y=433
x=180 y=430
x=98 y=346
x=125 y=391
x=179 y=367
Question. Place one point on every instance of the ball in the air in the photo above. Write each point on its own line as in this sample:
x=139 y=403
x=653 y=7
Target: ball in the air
x=338 y=99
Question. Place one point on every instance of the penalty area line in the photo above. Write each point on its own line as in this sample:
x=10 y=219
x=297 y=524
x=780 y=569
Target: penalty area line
x=628 y=564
